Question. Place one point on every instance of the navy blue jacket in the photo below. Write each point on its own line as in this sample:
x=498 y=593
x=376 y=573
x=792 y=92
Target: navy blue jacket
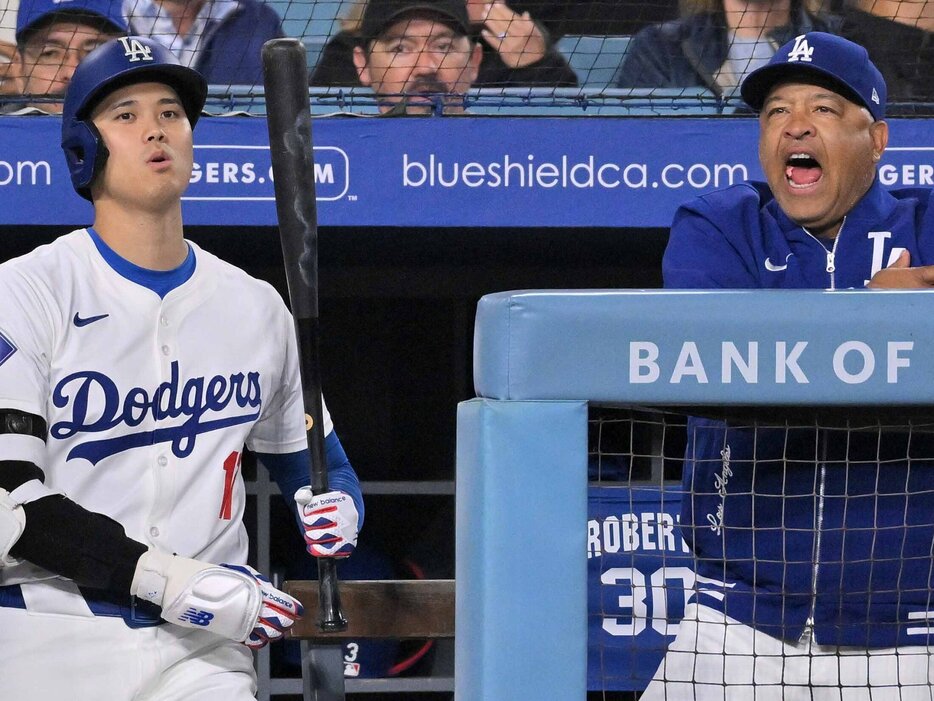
x=688 y=52
x=233 y=54
x=804 y=525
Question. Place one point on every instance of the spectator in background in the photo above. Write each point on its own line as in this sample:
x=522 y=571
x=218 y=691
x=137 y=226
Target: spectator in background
x=597 y=17
x=716 y=43
x=417 y=57
x=221 y=39
x=52 y=38
x=913 y=13
x=8 y=81
x=899 y=36
x=515 y=49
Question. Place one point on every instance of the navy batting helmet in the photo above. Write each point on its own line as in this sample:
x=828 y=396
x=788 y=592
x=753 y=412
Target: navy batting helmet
x=114 y=65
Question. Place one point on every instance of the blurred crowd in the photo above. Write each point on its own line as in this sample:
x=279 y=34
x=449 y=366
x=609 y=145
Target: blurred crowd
x=410 y=52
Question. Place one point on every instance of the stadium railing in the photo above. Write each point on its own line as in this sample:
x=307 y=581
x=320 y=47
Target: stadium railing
x=544 y=102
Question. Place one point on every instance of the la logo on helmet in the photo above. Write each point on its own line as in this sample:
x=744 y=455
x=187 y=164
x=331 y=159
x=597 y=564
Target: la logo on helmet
x=801 y=51
x=135 y=50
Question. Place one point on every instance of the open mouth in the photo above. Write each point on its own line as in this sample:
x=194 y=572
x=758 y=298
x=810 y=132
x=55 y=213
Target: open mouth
x=802 y=170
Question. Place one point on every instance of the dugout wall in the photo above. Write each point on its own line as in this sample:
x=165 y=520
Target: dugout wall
x=540 y=356
x=399 y=292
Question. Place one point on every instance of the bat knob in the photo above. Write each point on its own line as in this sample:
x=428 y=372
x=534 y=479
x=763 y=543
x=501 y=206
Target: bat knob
x=333 y=626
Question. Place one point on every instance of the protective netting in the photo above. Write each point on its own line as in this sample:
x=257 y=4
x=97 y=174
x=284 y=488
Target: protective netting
x=522 y=57
x=815 y=534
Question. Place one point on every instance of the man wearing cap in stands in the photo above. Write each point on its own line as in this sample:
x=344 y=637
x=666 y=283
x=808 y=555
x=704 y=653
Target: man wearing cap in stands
x=52 y=37
x=417 y=56
x=813 y=573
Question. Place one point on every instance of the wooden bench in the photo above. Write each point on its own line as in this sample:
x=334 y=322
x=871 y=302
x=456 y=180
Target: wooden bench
x=397 y=609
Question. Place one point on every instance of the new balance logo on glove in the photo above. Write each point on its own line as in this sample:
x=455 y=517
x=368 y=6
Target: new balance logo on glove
x=330 y=522
x=196 y=617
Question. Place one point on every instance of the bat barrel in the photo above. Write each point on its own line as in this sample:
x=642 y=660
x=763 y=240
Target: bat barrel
x=288 y=115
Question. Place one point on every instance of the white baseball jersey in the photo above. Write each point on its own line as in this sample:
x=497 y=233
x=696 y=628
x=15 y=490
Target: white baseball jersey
x=148 y=401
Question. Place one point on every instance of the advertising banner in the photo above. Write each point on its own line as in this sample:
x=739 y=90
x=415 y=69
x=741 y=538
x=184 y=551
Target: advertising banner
x=446 y=172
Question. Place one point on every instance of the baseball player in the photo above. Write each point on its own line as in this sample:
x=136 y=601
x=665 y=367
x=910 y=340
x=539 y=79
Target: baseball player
x=813 y=547
x=134 y=368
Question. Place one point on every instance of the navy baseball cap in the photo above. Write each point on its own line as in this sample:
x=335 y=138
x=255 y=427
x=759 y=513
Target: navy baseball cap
x=824 y=59
x=380 y=14
x=32 y=13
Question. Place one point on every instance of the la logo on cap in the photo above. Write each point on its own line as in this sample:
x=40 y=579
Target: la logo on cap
x=801 y=51
x=135 y=50
x=875 y=96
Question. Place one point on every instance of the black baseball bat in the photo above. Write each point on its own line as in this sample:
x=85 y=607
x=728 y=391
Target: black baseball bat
x=288 y=116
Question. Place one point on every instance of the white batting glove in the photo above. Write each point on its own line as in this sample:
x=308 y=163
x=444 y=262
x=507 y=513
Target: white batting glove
x=330 y=522
x=12 y=524
x=233 y=601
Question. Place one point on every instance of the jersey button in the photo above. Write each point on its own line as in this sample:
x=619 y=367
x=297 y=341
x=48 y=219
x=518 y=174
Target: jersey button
x=163 y=461
x=154 y=532
x=166 y=350
x=163 y=321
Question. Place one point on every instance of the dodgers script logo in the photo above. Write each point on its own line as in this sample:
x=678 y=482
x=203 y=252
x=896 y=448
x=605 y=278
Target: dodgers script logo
x=196 y=399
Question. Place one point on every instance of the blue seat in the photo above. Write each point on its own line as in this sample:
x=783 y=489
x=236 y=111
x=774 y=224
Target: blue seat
x=309 y=19
x=594 y=58
x=312 y=22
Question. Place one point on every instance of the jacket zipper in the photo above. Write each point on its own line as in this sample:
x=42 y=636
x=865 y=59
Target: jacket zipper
x=815 y=569
x=831 y=266
x=831 y=269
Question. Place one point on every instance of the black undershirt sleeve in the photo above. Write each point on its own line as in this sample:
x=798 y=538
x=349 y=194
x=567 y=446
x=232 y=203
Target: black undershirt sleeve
x=14 y=473
x=89 y=548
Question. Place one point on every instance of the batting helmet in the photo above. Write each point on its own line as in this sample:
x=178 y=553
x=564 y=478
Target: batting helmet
x=114 y=65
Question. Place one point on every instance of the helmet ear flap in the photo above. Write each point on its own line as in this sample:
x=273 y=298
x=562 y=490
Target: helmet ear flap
x=85 y=154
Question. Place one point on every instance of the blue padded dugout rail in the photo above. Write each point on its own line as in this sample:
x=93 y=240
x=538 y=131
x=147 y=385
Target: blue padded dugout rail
x=539 y=356
x=520 y=573
x=846 y=347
